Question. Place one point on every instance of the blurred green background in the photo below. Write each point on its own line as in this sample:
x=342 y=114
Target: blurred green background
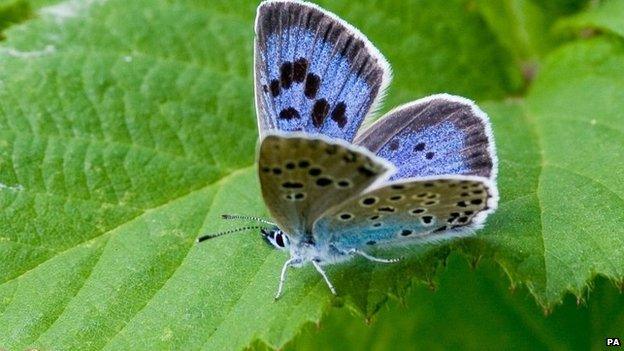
x=473 y=309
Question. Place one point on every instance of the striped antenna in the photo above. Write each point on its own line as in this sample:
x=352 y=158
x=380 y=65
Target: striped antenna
x=251 y=218
x=211 y=236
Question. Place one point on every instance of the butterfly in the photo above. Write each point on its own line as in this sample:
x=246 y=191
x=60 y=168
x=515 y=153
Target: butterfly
x=424 y=172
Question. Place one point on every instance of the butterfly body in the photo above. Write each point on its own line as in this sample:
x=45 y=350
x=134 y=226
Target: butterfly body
x=424 y=172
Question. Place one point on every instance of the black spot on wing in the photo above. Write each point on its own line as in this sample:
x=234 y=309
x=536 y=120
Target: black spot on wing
x=344 y=183
x=346 y=216
x=365 y=171
x=300 y=69
x=338 y=114
x=418 y=210
x=323 y=181
x=286 y=74
x=394 y=145
x=295 y=196
x=319 y=112
x=331 y=149
x=369 y=201
x=349 y=157
x=441 y=229
x=315 y=171
x=312 y=84
x=292 y=185
x=275 y=87
x=395 y=198
x=289 y=113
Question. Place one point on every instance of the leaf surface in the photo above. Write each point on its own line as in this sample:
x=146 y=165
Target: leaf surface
x=128 y=127
x=472 y=309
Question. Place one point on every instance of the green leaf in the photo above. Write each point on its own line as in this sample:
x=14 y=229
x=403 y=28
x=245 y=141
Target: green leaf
x=520 y=25
x=562 y=198
x=576 y=104
x=472 y=310
x=13 y=11
x=606 y=16
x=513 y=235
x=524 y=26
x=434 y=46
x=128 y=127
x=525 y=29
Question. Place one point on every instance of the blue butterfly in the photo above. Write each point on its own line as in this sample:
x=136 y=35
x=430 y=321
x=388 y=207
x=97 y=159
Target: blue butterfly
x=424 y=172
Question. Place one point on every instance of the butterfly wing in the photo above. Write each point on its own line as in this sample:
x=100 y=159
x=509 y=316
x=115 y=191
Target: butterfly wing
x=445 y=183
x=302 y=176
x=314 y=72
x=440 y=134
x=407 y=211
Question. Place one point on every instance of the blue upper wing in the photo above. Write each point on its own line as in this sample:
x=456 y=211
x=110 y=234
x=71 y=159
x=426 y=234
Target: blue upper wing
x=444 y=186
x=314 y=72
x=441 y=134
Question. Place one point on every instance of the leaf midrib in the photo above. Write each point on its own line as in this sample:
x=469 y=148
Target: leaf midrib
x=144 y=212
x=533 y=127
x=533 y=124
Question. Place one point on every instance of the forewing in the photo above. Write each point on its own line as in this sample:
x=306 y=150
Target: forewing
x=314 y=72
x=302 y=176
x=441 y=134
x=410 y=211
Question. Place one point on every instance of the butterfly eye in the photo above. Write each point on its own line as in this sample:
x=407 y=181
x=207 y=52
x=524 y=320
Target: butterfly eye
x=279 y=240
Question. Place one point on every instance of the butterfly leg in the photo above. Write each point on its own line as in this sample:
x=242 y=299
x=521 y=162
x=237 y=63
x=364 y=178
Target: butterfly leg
x=283 y=276
x=373 y=258
x=320 y=270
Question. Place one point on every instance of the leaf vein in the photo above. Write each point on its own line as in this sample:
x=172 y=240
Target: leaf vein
x=68 y=301
x=181 y=261
x=126 y=222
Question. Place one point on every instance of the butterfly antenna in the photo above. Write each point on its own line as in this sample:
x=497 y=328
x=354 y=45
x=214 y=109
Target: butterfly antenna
x=211 y=236
x=251 y=218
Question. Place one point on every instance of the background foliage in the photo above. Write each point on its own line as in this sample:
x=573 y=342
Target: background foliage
x=127 y=127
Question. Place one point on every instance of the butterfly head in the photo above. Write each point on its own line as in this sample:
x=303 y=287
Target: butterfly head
x=301 y=252
x=276 y=237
